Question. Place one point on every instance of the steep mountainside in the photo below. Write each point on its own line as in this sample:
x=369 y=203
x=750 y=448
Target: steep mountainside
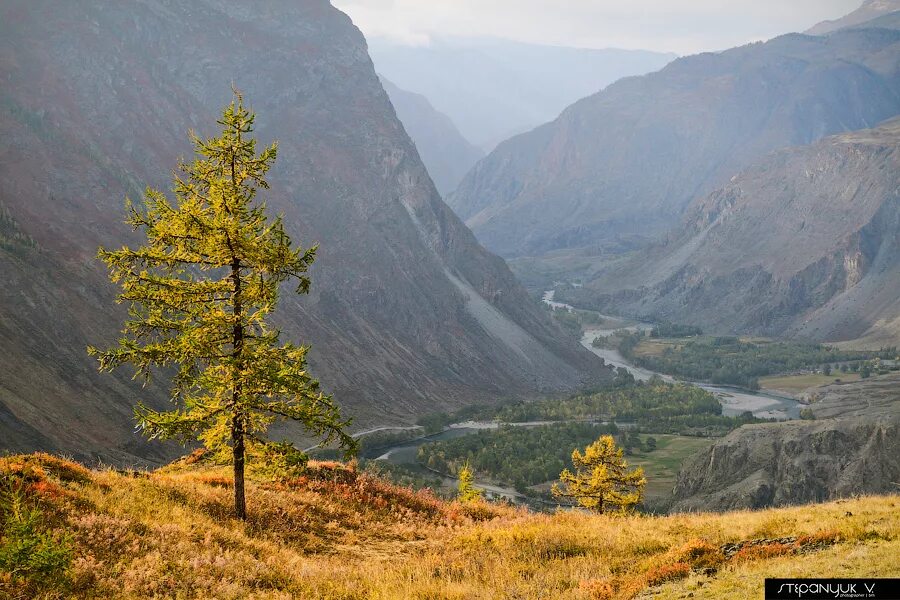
x=493 y=89
x=627 y=161
x=447 y=155
x=870 y=9
x=854 y=449
x=408 y=314
x=804 y=242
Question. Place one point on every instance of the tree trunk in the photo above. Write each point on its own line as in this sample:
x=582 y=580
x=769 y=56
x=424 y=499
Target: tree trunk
x=237 y=439
x=237 y=423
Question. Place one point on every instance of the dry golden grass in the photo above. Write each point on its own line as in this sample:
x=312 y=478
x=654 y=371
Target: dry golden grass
x=337 y=534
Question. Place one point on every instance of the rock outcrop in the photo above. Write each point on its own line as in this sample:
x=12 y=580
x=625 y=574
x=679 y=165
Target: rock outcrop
x=853 y=447
x=407 y=315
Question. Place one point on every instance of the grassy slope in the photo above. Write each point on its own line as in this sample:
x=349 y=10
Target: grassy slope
x=798 y=383
x=335 y=534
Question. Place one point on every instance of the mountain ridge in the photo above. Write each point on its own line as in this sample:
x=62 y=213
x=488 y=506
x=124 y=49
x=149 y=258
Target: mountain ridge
x=624 y=163
x=98 y=105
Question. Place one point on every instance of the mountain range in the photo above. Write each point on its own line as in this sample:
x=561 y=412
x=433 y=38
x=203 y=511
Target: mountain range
x=408 y=314
x=803 y=243
x=619 y=168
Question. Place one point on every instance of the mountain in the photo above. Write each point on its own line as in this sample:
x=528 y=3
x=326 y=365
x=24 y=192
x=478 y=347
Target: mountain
x=447 y=155
x=408 y=314
x=619 y=167
x=850 y=448
x=493 y=89
x=804 y=242
x=869 y=11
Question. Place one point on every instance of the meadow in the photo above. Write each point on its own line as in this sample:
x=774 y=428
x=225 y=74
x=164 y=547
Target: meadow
x=337 y=534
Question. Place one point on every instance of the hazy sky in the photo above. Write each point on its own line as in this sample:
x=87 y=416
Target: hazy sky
x=682 y=26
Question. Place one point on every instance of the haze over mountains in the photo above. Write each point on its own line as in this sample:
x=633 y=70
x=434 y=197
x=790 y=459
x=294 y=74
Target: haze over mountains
x=618 y=168
x=493 y=89
x=407 y=315
x=864 y=15
x=447 y=155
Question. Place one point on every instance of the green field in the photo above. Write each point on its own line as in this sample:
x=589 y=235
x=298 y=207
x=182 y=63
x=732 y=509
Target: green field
x=662 y=465
x=798 y=383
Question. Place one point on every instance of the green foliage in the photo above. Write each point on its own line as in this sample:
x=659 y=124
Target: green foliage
x=728 y=360
x=865 y=370
x=637 y=402
x=671 y=330
x=575 y=321
x=466 y=490
x=200 y=294
x=601 y=480
x=28 y=551
x=518 y=456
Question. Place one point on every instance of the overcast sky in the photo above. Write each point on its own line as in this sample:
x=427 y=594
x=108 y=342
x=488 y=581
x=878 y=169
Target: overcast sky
x=681 y=26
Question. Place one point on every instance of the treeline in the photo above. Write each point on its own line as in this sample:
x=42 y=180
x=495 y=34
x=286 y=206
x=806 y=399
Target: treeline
x=654 y=406
x=728 y=360
x=671 y=330
x=516 y=456
x=637 y=402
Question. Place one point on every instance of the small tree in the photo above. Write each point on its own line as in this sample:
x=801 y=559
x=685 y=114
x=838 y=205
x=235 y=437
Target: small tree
x=602 y=479
x=200 y=294
x=467 y=491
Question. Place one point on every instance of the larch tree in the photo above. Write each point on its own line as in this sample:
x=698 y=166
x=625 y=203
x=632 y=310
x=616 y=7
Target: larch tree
x=467 y=492
x=201 y=292
x=601 y=480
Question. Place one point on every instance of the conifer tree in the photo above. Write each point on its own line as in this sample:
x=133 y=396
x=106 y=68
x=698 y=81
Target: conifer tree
x=602 y=480
x=200 y=294
x=467 y=492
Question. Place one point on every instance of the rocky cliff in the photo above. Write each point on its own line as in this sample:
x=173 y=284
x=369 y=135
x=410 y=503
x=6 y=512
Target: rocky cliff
x=447 y=155
x=408 y=314
x=804 y=242
x=854 y=451
x=624 y=164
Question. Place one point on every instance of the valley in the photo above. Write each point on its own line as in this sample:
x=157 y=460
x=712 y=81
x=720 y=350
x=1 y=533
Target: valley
x=342 y=300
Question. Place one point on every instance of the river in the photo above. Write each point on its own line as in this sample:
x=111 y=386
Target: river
x=734 y=402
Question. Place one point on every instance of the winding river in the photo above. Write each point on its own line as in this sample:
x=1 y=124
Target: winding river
x=734 y=402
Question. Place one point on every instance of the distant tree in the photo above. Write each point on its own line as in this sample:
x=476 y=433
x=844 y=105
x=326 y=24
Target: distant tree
x=601 y=479
x=467 y=492
x=826 y=370
x=623 y=377
x=200 y=293
x=650 y=444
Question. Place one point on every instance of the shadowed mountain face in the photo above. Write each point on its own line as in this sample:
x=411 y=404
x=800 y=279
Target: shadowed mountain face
x=804 y=242
x=407 y=315
x=626 y=162
x=493 y=89
x=447 y=155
